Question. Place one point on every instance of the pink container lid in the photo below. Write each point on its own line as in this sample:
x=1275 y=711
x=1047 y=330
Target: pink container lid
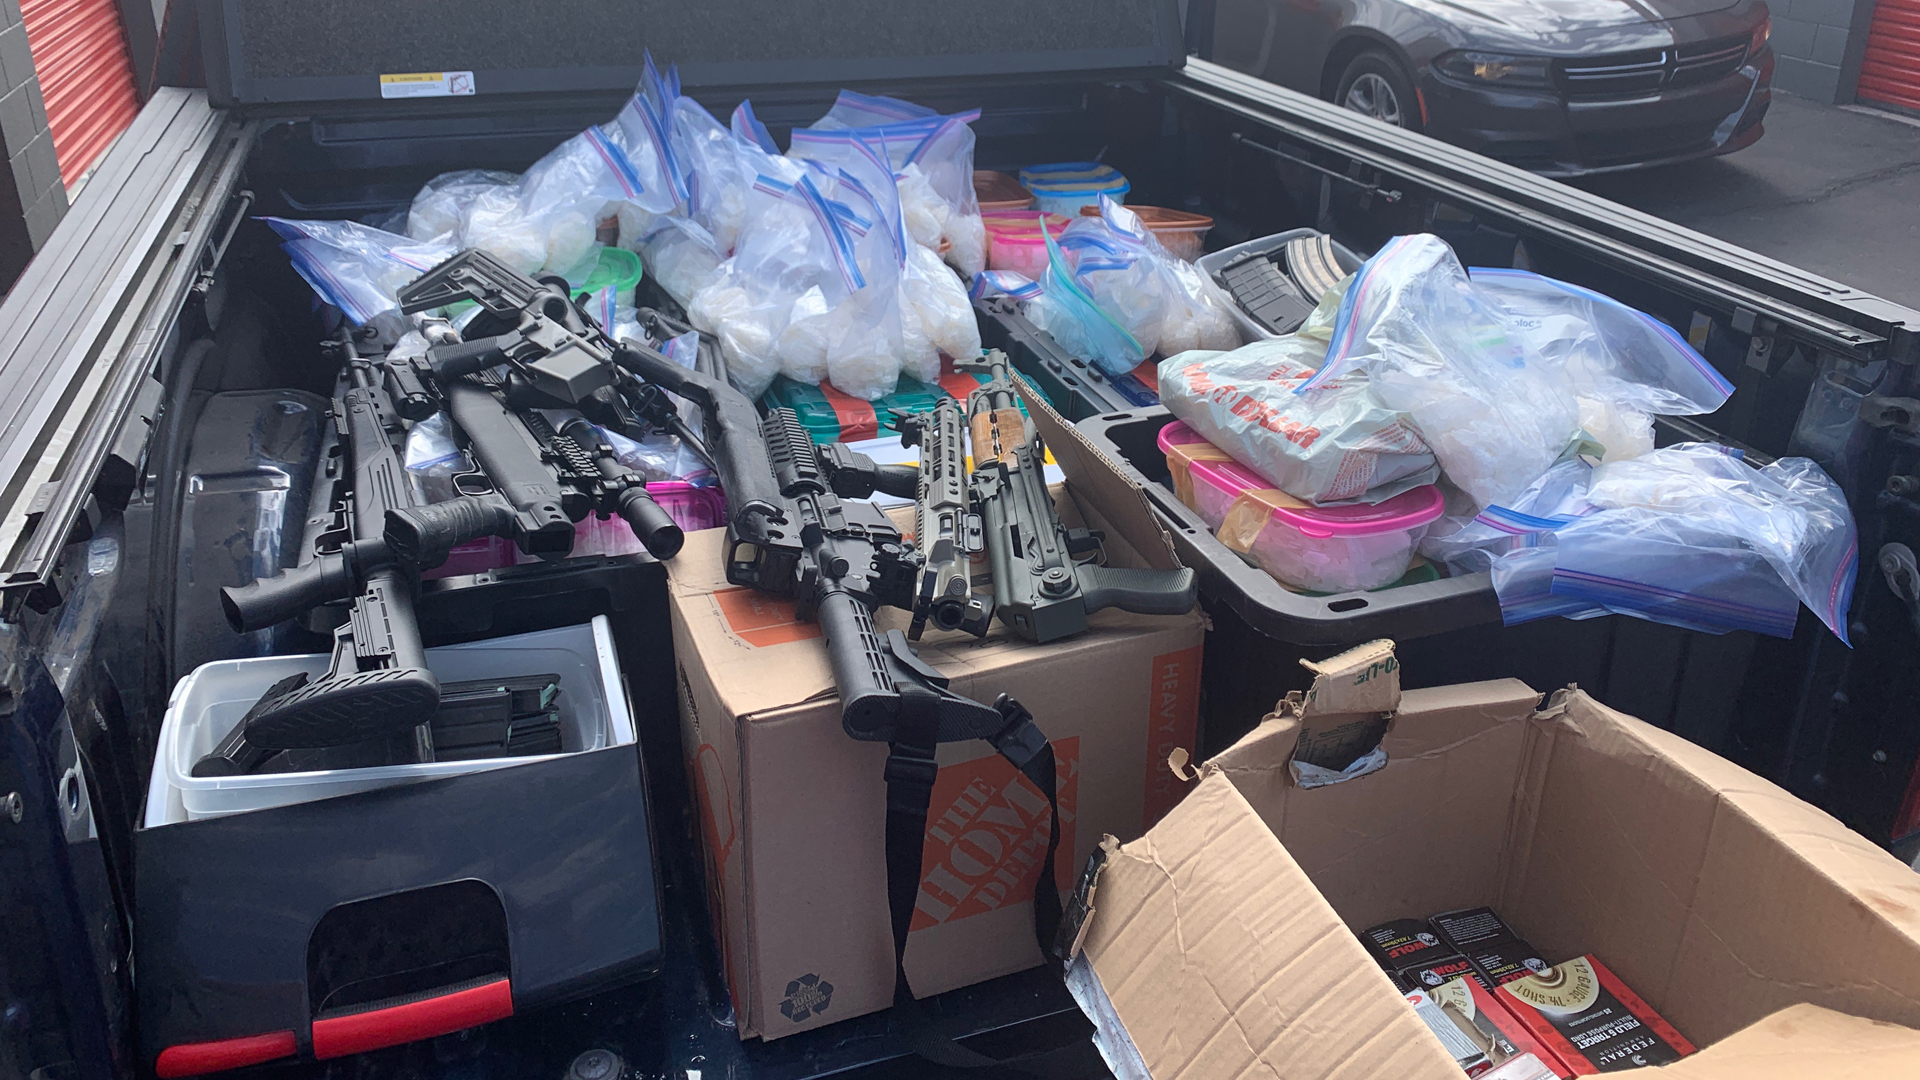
x=1407 y=510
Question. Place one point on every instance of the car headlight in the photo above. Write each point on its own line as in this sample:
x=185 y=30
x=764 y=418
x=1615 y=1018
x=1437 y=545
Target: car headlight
x=1760 y=35
x=1497 y=68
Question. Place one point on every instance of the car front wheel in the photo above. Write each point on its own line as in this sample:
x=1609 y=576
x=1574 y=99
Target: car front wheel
x=1374 y=85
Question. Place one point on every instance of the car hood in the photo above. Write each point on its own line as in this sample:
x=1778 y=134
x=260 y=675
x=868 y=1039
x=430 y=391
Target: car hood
x=1562 y=16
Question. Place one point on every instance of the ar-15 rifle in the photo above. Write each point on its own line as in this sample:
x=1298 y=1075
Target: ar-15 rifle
x=377 y=683
x=838 y=560
x=1047 y=578
x=556 y=357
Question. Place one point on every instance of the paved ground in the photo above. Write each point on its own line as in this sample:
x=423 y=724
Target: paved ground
x=1831 y=190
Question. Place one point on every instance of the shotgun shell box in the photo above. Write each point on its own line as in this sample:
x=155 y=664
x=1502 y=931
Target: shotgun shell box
x=1504 y=961
x=1590 y=1020
x=1436 y=973
x=1466 y=1053
x=1464 y=929
x=1494 y=1026
x=1402 y=943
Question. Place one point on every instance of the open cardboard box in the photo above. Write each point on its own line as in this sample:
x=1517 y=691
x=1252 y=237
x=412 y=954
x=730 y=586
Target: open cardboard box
x=1221 y=944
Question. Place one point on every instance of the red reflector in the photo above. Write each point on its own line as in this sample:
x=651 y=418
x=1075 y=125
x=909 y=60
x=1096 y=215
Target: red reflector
x=192 y=1059
x=375 y=1028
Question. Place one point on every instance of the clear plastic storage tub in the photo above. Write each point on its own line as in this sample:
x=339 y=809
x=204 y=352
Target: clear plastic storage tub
x=1067 y=187
x=1328 y=549
x=213 y=697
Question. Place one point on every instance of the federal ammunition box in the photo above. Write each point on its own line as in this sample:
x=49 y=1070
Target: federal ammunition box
x=1464 y=929
x=1591 y=1020
x=1402 y=943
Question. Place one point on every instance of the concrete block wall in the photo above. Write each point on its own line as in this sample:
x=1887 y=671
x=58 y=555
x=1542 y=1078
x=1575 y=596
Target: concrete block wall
x=32 y=197
x=1816 y=45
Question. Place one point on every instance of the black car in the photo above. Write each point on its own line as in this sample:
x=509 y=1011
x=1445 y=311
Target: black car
x=1561 y=87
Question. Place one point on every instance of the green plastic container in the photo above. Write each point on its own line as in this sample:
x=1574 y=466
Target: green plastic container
x=617 y=267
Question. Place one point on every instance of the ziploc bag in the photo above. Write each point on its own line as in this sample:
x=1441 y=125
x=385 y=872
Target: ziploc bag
x=1675 y=528
x=1167 y=304
x=932 y=158
x=1439 y=351
x=1689 y=535
x=357 y=268
x=1077 y=322
x=1331 y=445
x=1625 y=366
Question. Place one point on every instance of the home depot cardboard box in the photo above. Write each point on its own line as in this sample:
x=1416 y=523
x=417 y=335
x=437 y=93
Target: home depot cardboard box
x=794 y=810
x=1221 y=944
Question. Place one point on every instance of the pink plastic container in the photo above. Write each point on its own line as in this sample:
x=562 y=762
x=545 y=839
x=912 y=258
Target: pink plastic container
x=692 y=508
x=1014 y=241
x=1327 y=549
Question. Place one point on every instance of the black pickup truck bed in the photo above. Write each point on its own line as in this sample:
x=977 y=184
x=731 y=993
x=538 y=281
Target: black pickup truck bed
x=159 y=298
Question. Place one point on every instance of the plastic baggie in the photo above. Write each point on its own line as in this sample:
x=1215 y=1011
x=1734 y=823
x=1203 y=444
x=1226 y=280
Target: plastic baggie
x=1065 y=310
x=1625 y=366
x=439 y=210
x=932 y=158
x=1168 y=305
x=1689 y=535
x=354 y=267
x=1436 y=349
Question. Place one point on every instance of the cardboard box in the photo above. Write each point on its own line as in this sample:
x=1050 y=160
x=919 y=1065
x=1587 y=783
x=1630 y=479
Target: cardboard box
x=1222 y=943
x=794 y=810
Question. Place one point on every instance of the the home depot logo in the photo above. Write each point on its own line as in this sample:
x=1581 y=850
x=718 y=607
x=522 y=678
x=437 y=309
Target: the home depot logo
x=987 y=836
x=807 y=996
x=1173 y=721
x=760 y=620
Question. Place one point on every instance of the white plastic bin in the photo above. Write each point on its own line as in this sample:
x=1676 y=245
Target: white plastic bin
x=213 y=697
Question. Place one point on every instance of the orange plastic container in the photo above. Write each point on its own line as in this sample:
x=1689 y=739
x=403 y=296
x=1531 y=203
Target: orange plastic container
x=998 y=191
x=1181 y=233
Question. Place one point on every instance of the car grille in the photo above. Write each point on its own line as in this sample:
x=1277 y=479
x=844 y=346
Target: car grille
x=1651 y=70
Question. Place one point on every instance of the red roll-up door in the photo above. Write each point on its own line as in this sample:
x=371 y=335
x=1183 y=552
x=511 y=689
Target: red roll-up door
x=86 y=76
x=1890 y=73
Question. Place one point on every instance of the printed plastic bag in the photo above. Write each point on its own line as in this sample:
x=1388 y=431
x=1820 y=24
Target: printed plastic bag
x=1333 y=444
x=355 y=267
x=1441 y=352
x=1624 y=365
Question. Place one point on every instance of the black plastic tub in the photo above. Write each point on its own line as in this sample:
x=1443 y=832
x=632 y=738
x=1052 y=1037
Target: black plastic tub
x=1410 y=611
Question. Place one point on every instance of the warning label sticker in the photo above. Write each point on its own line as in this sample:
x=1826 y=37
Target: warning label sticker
x=416 y=84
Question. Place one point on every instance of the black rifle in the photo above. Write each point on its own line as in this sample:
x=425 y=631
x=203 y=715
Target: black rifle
x=1047 y=578
x=556 y=357
x=377 y=682
x=838 y=560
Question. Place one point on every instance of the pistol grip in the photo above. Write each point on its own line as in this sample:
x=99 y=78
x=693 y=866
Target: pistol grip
x=1143 y=592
